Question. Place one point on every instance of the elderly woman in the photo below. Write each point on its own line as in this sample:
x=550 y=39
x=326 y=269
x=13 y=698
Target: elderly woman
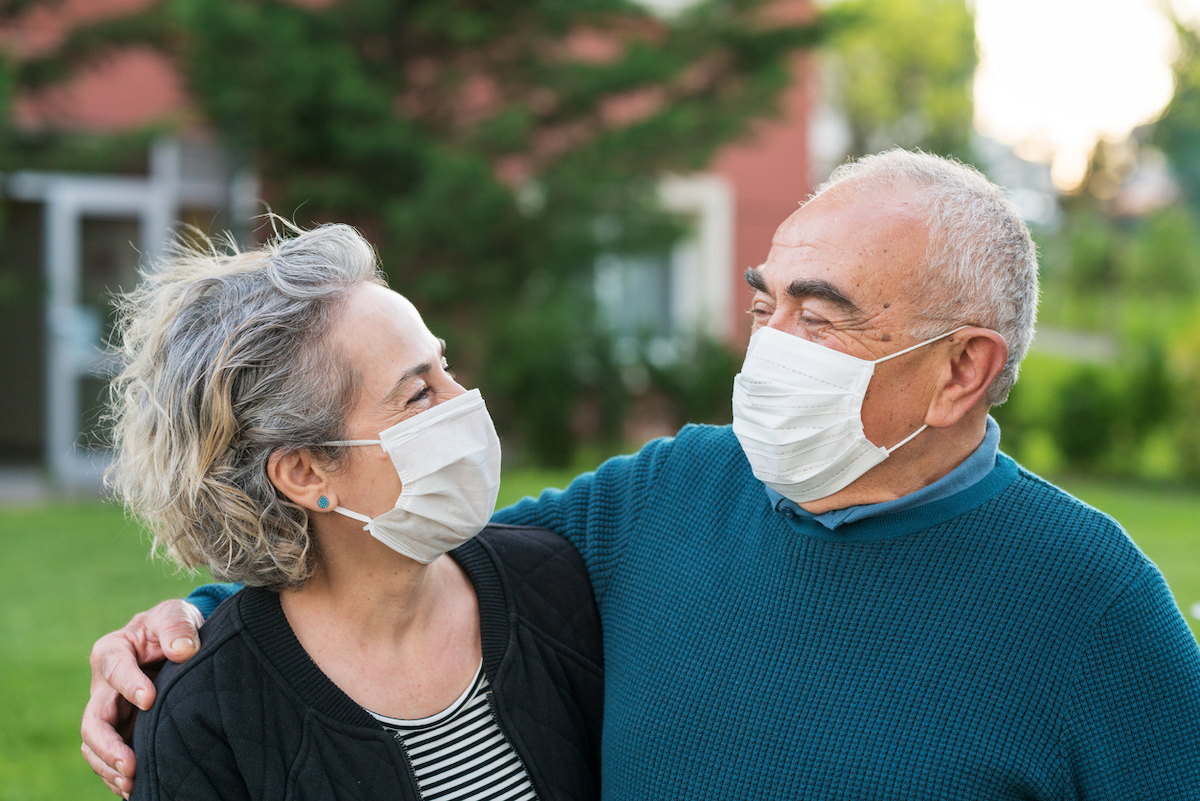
x=286 y=420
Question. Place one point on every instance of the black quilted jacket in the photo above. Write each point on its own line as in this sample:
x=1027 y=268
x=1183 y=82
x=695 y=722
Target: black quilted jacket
x=252 y=717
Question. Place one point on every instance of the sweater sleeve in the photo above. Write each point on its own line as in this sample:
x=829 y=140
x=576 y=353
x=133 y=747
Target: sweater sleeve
x=599 y=511
x=1132 y=724
x=208 y=597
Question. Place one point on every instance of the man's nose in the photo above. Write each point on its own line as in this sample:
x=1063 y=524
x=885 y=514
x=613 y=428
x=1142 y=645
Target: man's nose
x=782 y=321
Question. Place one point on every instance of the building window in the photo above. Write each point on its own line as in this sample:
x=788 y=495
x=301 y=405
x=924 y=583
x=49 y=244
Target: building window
x=654 y=300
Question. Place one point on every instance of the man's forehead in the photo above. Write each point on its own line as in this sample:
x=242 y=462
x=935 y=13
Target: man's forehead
x=859 y=220
x=791 y=231
x=810 y=238
x=827 y=221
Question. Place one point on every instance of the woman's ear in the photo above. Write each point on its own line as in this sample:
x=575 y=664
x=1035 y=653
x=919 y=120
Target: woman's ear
x=301 y=479
x=977 y=355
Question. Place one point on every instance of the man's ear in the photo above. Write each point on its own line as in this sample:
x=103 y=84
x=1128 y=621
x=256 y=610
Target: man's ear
x=299 y=476
x=977 y=355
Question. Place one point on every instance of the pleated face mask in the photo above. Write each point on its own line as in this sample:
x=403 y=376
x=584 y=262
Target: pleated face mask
x=797 y=412
x=448 y=460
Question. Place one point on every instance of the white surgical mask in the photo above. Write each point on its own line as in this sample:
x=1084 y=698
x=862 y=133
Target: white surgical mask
x=797 y=412
x=448 y=460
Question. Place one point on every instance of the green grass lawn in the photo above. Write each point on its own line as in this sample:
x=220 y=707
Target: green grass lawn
x=72 y=571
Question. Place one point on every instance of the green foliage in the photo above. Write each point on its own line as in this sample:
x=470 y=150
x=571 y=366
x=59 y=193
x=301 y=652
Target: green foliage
x=1149 y=391
x=701 y=382
x=477 y=147
x=1086 y=418
x=1093 y=260
x=1118 y=417
x=1186 y=358
x=1098 y=273
x=903 y=74
x=1165 y=255
x=1177 y=132
x=539 y=381
x=1134 y=281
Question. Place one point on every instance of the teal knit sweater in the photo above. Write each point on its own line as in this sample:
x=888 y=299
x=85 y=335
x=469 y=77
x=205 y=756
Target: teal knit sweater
x=1007 y=642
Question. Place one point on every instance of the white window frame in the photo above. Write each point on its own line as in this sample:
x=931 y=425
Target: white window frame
x=702 y=264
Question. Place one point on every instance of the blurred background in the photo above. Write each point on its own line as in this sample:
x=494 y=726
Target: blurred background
x=570 y=193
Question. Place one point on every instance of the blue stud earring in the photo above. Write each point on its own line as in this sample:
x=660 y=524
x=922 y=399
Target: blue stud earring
x=323 y=503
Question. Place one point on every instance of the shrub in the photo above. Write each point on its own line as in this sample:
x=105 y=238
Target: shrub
x=1088 y=410
x=1186 y=361
x=1165 y=256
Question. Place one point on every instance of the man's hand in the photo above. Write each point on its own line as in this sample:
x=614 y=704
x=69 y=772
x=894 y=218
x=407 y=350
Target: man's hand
x=120 y=688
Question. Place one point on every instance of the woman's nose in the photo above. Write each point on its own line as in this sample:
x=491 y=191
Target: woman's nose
x=452 y=389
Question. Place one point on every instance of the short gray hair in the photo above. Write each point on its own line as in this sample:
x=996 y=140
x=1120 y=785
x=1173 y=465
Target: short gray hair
x=225 y=361
x=981 y=266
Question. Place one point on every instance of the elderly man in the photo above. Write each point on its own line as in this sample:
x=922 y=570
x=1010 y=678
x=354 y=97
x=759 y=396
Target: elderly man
x=851 y=593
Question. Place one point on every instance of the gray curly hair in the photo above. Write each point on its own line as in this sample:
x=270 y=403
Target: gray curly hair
x=981 y=263
x=226 y=361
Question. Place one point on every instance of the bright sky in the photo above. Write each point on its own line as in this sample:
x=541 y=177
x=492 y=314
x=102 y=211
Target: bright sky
x=1056 y=75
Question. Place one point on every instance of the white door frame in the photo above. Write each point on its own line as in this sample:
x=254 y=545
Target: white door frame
x=71 y=352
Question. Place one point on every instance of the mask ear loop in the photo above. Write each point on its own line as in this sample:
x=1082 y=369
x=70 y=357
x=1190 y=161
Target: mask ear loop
x=354 y=515
x=909 y=438
x=918 y=345
x=889 y=450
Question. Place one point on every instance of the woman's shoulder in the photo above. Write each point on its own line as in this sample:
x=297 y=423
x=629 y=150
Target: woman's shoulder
x=196 y=702
x=526 y=547
x=224 y=655
x=537 y=574
x=241 y=665
x=535 y=559
x=232 y=721
x=219 y=643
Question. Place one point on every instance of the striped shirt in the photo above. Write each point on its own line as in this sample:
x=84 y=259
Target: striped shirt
x=461 y=752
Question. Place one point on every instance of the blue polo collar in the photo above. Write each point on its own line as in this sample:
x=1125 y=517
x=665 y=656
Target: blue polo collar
x=974 y=468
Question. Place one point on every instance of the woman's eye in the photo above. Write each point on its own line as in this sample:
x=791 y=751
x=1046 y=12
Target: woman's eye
x=420 y=396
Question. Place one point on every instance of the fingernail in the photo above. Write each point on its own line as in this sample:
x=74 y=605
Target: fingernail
x=120 y=764
x=183 y=644
x=139 y=699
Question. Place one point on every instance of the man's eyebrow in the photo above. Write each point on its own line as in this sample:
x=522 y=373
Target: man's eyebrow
x=755 y=280
x=805 y=288
x=822 y=290
x=413 y=372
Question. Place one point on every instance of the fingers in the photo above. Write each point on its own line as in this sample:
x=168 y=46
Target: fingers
x=119 y=684
x=103 y=747
x=115 y=782
x=175 y=624
x=115 y=667
x=168 y=630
